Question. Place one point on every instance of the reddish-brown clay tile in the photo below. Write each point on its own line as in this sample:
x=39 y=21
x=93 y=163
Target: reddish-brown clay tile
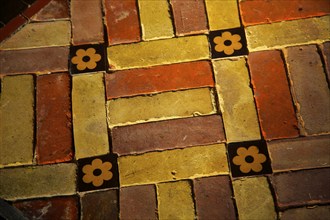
x=35 y=7
x=272 y=94
x=54 y=127
x=87 y=23
x=122 y=21
x=11 y=27
x=51 y=208
x=306 y=187
x=214 y=198
x=52 y=59
x=170 y=134
x=56 y=9
x=100 y=205
x=326 y=54
x=256 y=11
x=159 y=79
x=138 y=202
x=300 y=153
x=189 y=16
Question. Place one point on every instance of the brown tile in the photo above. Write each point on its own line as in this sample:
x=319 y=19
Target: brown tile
x=170 y=134
x=307 y=187
x=305 y=213
x=122 y=21
x=326 y=54
x=138 y=202
x=159 y=79
x=272 y=94
x=50 y=208
x=100 y=205
x=300 y=153
x=11 y=27
x=87 y=23
x=189 y=16
x=55 y=9
x=54 y=126
x=213 y=197
x=33 y=60
x=35 y=7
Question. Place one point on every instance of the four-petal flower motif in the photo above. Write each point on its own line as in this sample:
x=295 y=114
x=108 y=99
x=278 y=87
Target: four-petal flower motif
x=97 y=172
x=227 y=43
x=249 y=159
x=86 y=59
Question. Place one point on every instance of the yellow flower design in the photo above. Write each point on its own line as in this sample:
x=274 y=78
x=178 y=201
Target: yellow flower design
x=249 y=159
x=97 y=172
x=227 y=43
x=86 y=59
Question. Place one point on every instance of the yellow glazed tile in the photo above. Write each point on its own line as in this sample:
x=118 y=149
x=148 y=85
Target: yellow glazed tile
x=155 y=19
x=175 y=201
x=158 y=52
x=160 y=106
x=89 y=115
x=17 y=120
x=170 y=165
x=236 y=100
x=44 y=34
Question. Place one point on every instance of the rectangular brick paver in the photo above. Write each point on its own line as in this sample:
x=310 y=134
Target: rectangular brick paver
x=89 y=115
x=38 y=181
x=169 y=134
x=158 y=52
x=254 y=199
x=213 y=197
x=306 y=187
x=54 y=127
x=175 y=201
x=151 y=108
x=316 y=212
x=279 y=35
x=326 y=55
x=309 y=88
x=238 y=108
x=17 y=120
x=176 y=164
x=138 y=202
x=159 y=79
x=272 y=94
x=300 y=153
x=54 y=10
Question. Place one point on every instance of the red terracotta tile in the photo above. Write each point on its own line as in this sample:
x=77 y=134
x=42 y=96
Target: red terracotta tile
x=272 y=94
x=159 y=79
x=214 y=198
x=170 y=134
x=307 y=187
x=122 y=21
x=265 y=11
x=54 y=127
x=33 y=60
x=35 y=7
x=87 y=23
x=189 y=16
x=55 y=9
x=138 y=202
x=51 y=208
x=11 y=27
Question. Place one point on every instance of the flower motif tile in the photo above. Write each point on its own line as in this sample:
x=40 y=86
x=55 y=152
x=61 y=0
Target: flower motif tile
x=249 y=158
x=98 y=173
x=228 y=43
x=87 y=58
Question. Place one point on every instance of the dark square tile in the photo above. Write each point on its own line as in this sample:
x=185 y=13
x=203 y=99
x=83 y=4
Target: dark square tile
x=98 y=173
x=249 y=158
x=87 y=58
x=228 y=43
x=10 y=9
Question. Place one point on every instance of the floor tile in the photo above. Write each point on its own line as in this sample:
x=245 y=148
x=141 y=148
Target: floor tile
x=228 y=43
x=87 y=58
x=98 y=173
x=54 y=10
x=249 y=158
x=314 y=212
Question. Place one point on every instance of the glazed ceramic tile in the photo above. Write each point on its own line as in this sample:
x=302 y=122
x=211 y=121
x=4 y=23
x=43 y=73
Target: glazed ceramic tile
x=98 y=173
x=228 y=43
x=87 y=58
x=249 y=158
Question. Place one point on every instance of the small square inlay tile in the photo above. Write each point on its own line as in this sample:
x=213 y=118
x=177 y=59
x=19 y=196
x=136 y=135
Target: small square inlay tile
x=87 y=58
x=249 y=158
x=228 y=43
x=98 y=173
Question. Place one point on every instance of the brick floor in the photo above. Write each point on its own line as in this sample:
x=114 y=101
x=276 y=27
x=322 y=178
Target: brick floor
x=138 y=109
